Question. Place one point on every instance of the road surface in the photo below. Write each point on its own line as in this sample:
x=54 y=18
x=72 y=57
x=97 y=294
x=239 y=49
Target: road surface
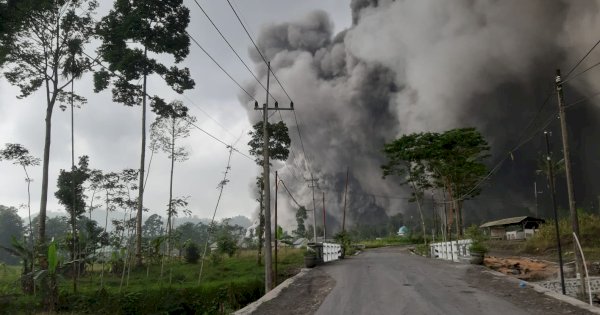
x=391 y=280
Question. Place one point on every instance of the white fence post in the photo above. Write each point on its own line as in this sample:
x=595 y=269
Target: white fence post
x=451 y=250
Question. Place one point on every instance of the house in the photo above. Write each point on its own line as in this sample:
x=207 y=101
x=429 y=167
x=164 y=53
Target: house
x=403 y=231
x=516 y=228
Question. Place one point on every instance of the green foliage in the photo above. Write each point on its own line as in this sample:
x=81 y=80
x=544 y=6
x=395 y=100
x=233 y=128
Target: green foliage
x=545 y=238
x=159 y=26
x=478 y=247
x=70 y=188
x=477 y=237
x=452 y=159
x=192 y=253
x=279 y=141
x=227 y=244
x=301 y=215
x=11 y=227
x=343 y=238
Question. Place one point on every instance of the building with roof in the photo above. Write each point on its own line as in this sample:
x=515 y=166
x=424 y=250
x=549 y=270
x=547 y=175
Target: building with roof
x=515 y=228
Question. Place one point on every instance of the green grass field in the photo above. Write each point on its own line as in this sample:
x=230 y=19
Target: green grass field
x=226 y=285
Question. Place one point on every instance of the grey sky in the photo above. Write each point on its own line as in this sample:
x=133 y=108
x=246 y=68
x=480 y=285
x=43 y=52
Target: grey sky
x=109 y=132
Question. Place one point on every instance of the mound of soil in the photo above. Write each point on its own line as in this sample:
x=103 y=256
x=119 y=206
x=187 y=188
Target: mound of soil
x=522 y=268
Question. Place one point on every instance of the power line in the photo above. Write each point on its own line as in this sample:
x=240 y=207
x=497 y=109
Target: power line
x=289 y=193
x=231 y=47
x=580 y=73
x=582 y=59
x=220 y=67
x=191 y=123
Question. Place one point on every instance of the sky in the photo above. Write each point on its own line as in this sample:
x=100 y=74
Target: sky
x=361 y=73
x=109 y=133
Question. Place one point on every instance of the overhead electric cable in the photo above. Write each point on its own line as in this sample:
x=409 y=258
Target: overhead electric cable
x=219 y=65
x=232 y=49
x=582 y=59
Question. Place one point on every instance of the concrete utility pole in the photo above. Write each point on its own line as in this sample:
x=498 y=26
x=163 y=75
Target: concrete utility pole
x=276 y=189
x=553 y=193
x=324 y=225
x=267 y=182
x=313 y=185
x=569 y=174
x=346 y=194
x=535 y=193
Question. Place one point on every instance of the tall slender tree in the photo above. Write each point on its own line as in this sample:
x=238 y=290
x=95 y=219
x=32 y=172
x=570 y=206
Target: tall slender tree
x=70 y=194
x=37 y=55
x=130 y=31
x=166 y=131
x=19 y=155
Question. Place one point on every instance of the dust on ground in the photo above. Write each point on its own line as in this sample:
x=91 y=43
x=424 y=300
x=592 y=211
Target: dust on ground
x=527 y=298
x=303 y=296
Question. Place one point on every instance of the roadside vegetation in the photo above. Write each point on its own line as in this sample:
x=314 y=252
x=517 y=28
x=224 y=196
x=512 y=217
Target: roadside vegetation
x=228 y=283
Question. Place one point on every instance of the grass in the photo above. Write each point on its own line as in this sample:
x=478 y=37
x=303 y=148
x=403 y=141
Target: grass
x=390 y=241
x=225 y=286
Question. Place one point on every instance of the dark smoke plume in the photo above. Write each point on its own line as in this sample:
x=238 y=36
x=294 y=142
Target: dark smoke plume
x=411 y=66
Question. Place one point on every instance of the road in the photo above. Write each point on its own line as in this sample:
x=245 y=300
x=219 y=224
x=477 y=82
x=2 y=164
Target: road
x=387 y=281
x=391 y=280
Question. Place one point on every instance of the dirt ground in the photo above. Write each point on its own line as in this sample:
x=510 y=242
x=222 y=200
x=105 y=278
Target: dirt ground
x=523 y=268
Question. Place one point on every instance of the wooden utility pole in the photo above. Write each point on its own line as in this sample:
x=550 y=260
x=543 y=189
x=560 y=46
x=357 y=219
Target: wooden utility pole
x=267 y=182
x=313 y=185
x=276 y=229
x=324 y=225
x=569 y=174
x=553 y=193
x=345 y=195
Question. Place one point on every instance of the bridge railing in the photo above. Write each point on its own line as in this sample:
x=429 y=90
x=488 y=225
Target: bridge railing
x=451 y=250
x=331 y=251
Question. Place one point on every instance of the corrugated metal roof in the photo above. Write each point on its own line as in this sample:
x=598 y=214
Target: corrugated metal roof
x=506 y=221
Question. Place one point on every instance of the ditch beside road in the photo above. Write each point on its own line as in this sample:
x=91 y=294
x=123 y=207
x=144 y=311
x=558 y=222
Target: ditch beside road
x=391 y=280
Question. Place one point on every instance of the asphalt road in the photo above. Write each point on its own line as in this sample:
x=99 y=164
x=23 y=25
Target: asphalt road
x=393 y=281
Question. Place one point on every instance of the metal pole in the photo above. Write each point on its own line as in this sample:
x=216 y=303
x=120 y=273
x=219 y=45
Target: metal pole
x=314 y=209
x=267 y=203
x=553 y=194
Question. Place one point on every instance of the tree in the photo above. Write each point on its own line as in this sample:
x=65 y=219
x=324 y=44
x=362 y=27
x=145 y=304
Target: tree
x=157 y=26
x=153 y=226
x=406 y=158
x=70 y=195
x=57 y=228
x=166 y=130
x=192 y=253
x=279 y=144
x=38 y=55
x=452 y=161
x=11 y=227
x=279 y=141
x=20 y=156
x=300 y=230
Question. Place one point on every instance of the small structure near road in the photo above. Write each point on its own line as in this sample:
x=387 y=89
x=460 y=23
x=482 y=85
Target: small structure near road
x=516 y=228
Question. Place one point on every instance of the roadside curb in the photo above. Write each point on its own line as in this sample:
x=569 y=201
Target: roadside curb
x=563 y=298
x=272 y=294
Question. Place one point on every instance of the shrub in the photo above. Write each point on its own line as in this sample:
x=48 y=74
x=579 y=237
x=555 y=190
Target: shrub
x=191 y=253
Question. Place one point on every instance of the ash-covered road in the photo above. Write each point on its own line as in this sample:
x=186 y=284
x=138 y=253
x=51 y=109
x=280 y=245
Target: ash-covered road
x=393 y=281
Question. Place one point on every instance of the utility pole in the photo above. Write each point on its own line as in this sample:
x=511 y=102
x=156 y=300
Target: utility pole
x=346 y=194
x=553 y=193
x=313 y=185
x=276 y=188
x=535 y=193
x=267 y=182
x=433 y=216
x=324 y=225
x=569 y=175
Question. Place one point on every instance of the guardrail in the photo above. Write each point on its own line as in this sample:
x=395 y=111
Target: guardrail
x=331 y=251
x=451 y=250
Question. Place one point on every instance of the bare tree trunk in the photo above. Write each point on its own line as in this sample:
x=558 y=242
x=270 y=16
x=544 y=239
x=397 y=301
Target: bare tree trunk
x=140 y=204
x=170 y=209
